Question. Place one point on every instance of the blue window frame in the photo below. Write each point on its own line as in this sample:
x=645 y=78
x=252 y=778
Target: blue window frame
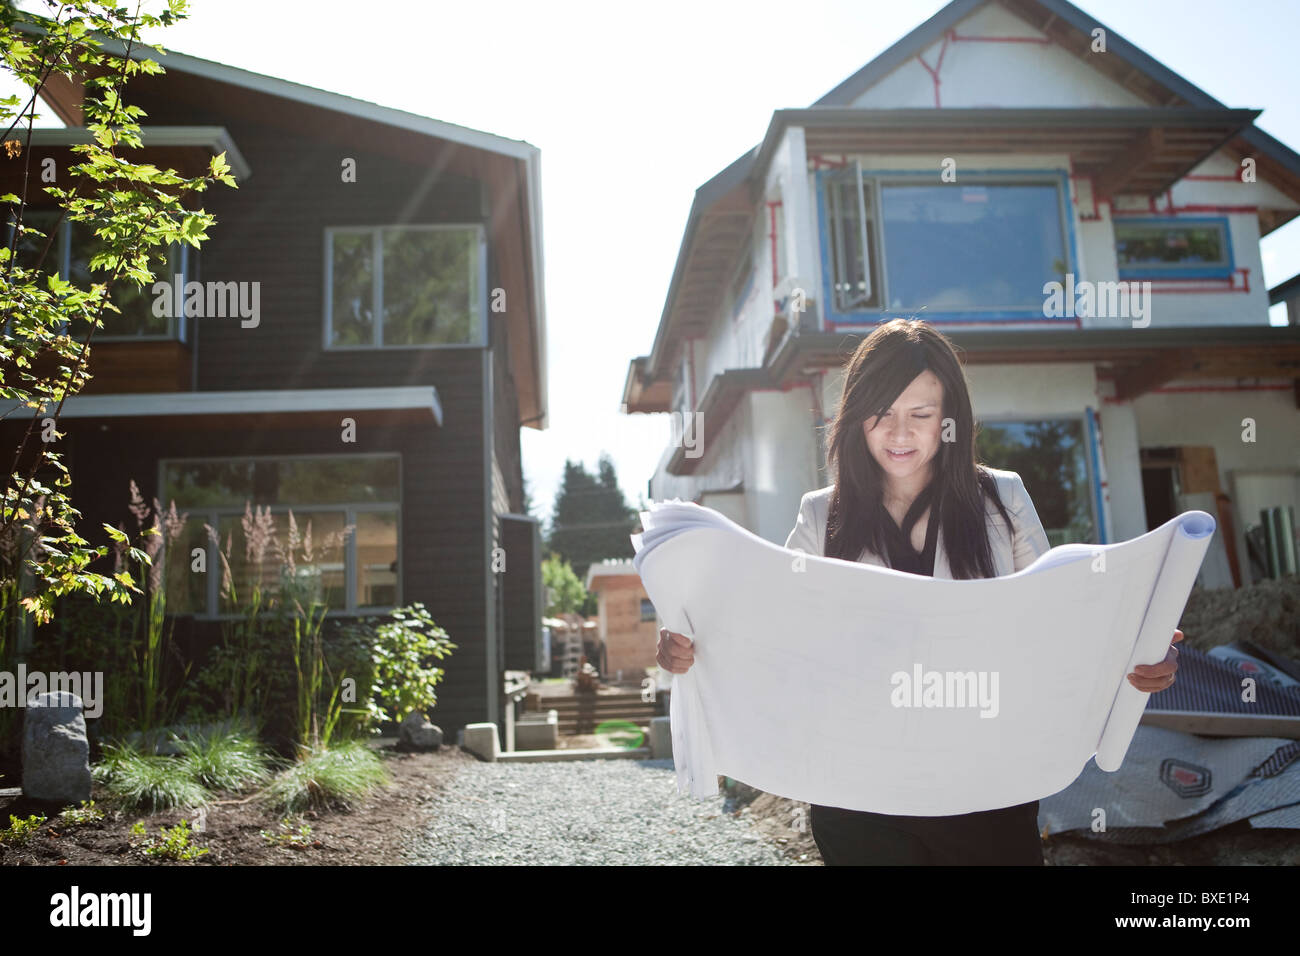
x=1170 y=247
x=980 y=249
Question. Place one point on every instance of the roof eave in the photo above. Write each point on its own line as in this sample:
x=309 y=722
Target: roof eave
x=215 y=138
x=706 y=195
x=309 y=95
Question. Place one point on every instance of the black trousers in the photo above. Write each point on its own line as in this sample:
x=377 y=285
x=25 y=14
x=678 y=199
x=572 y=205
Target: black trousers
x=1005 y=837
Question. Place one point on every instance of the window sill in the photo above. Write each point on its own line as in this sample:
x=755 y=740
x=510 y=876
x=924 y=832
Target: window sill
x=873 y=317
x=357 y=613
x=1181 y=275
x=402 y=348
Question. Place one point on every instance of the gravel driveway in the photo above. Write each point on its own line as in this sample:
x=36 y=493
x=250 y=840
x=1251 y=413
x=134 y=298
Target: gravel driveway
x=594 y=812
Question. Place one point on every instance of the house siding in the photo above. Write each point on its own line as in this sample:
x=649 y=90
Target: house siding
x=442 y=560
x=272 y=230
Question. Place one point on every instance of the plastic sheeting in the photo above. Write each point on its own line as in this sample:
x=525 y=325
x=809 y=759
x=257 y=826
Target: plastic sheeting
x=1175 y=785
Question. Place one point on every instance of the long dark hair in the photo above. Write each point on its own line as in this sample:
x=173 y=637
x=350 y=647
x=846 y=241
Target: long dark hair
x=883 y=365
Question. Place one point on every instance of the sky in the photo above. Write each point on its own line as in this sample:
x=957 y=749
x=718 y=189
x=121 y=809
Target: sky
x=634 y=106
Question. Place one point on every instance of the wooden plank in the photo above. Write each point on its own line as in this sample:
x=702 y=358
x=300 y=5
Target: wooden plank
x=1199 y=469
x=1110 y=181
x=1211 y=724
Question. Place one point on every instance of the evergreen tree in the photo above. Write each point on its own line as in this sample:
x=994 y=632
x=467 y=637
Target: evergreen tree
x=591 y=520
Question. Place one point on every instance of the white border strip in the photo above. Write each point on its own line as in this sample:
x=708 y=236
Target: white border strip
x=253 y=402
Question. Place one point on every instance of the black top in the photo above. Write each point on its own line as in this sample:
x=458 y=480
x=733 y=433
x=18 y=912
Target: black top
x=902 y=556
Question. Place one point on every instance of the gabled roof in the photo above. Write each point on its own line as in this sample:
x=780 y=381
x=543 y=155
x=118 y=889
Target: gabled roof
x=1069 y=26
x=171 y=60
x=1149 y=68
x=530 y=363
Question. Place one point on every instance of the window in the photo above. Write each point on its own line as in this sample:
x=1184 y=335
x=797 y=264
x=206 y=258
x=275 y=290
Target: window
x=1052 y=458
x=350 y=505
x=980 y=245
x=74 y=246
x=404 y=286
x=853 y=224
x=1173 y=248
x=647 y=610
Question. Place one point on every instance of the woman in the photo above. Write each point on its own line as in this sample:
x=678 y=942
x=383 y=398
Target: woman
x=909 y=494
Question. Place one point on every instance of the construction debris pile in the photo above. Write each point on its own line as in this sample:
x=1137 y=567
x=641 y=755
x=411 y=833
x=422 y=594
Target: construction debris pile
x=1221 y=745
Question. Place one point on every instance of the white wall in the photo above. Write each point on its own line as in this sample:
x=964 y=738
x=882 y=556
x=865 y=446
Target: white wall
x=1019 y=392
x=1121 y=449
x=768 y=444
x=998 y=74
x=780 y=460
x=1191 y=308
x=787 y=182
x=1215 y=418
x=721 y=465
x=738 y=334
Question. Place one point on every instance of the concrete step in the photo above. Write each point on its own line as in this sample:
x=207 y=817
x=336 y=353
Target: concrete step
x=603 y=753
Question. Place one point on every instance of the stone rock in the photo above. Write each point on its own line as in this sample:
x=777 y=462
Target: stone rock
x=418 y=734
x=56 y=754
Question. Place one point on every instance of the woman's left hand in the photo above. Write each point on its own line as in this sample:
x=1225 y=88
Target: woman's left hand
x=1153 y=678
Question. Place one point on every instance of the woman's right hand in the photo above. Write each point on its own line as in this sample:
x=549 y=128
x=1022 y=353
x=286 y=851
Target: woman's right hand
x=676 y=652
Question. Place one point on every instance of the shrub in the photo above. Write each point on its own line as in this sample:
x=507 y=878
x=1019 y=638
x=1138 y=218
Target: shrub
x=324 y=778
x=149 y=781
x=402 y=649
x=230 y=760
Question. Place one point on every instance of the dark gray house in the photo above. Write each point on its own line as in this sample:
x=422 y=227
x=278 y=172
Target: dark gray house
x=368 y=339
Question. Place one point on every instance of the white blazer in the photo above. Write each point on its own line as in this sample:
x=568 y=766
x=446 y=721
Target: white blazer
x=1011 y=553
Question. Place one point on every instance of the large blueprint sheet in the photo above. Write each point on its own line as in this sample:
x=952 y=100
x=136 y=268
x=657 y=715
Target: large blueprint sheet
x=842 y=684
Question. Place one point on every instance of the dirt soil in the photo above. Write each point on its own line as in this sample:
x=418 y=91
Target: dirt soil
x=371 y=832
x=1266 y=614
x=785 y=823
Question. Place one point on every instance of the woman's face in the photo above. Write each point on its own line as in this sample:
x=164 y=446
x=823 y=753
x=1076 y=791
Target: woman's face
x=906 y=438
